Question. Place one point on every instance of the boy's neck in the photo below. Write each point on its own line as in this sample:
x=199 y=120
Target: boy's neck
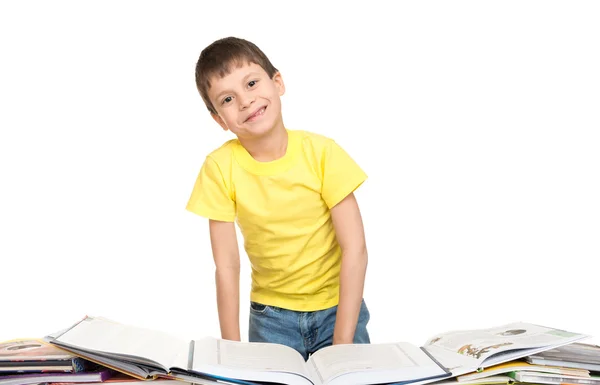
x=269 y=147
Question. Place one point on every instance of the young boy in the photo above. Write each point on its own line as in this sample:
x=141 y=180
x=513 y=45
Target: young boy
x=291 y=194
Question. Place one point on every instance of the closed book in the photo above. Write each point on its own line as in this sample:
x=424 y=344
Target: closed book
x=34 y=355
x=36 y=378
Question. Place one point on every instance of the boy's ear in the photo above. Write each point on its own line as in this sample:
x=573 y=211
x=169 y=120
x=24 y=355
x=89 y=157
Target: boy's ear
x=218 y=119
x=278 y=80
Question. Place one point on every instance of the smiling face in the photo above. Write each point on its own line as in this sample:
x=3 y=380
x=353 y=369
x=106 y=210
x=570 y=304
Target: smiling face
x=247 y=101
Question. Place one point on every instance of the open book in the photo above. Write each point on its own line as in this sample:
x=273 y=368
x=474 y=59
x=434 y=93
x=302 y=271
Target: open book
x=147 y=354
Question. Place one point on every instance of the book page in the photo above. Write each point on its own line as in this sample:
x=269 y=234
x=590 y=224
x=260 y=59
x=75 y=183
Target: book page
x=495 y=345
x=138 y=344
x=455 y=363
x=373 y=363
x=251 y=361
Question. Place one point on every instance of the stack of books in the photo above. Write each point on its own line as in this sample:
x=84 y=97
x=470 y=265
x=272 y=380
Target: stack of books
x=33 y=361
x=123 y=354
x=576 y=363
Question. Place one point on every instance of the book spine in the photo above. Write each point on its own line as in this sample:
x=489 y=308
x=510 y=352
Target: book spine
x=190 y=364
x=105 y=374
x=79 y=365
x=445 y=369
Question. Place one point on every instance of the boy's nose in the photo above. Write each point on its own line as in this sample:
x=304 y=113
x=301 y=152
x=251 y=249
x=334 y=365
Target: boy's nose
x=246 y=102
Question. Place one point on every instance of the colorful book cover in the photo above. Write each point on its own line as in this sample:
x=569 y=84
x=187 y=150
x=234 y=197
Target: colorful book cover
x=36 y=355
x=25 y=379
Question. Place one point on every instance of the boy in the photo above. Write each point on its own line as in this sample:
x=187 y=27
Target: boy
x=291 y=194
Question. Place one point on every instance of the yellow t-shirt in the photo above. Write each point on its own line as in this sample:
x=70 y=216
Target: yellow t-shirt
x=282 y=210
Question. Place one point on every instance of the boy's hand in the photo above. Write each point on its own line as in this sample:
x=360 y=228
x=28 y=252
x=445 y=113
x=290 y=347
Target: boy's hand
x=227 y=276
x=350 y=235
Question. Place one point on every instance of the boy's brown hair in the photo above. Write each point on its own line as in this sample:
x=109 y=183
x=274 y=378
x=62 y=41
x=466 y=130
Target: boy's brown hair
x=218 y=57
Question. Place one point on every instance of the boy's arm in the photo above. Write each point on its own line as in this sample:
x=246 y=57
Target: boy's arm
x=351 y=237
x=225 y=251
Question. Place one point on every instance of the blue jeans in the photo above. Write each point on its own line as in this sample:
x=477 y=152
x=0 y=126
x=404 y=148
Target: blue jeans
x=306 y=332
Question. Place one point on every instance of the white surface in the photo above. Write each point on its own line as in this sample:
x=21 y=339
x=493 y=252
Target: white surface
x=477 y=123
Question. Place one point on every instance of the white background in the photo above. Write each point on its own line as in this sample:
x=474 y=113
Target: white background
x=477 y=123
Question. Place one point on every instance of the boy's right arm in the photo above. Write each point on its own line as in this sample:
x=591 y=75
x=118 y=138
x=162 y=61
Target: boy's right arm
x=227 y=275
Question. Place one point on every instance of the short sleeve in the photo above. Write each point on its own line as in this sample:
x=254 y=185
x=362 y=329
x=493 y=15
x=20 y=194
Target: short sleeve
x=211 y=198
x=341 y=174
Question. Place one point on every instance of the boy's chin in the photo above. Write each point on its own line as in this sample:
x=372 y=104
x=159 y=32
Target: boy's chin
x=259 y=130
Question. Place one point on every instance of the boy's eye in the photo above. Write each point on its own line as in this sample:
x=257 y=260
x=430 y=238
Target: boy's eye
x=251 y=83
x=226 y=100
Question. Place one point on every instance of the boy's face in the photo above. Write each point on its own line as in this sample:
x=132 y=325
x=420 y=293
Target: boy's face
x=247 y=101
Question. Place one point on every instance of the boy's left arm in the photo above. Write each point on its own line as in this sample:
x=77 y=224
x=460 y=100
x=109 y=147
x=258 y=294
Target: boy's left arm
x=351 y=238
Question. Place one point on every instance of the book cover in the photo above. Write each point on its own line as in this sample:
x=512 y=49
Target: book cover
x=33 y=355
x=83 y=377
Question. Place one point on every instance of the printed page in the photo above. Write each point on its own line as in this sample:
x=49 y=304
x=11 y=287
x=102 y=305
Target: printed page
x=486 y=347
x=372 y=363
x=100 y=335
x=455 y=363
x=250 y=361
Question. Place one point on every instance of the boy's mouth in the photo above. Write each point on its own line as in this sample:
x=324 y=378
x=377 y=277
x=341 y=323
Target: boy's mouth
x=257 y=114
